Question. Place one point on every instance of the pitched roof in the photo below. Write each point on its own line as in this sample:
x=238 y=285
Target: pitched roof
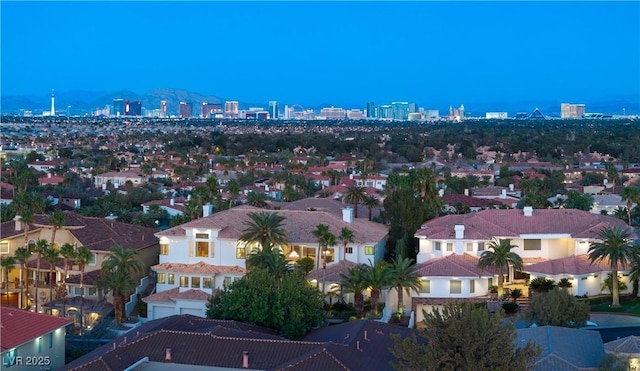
x=20 y=326
x=299 y=225
x=556 y=355
x=575 y=265
x=487 y=224
x=90 y=278
x=628 y=346
x=198 y=268
x=332 y=272
x=170 y=296
x=469 y=201
x=453 y=265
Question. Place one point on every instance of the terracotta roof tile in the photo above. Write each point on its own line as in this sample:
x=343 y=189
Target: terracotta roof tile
x=332 y=272
x=453 y=265
x=20 y=326
x=574 y=265
x=170 y=296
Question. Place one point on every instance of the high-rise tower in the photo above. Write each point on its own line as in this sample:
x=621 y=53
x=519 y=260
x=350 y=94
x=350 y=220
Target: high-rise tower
x=53 y=106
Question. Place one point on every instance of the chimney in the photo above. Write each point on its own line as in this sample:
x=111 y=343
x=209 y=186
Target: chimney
x=167 y=354
x=245 y=359
x=466 y=191
x=18 y=223
x=347 y=214
x=441 y=192
x=459 y=231
x=351 y=176
x=511 y=187
x=172 y=202
x=49 y=175
x=206 y=210
x=503 y=194
x=528 y=211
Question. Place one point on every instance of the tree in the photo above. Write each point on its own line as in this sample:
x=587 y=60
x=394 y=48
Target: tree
x=403 y=276
x=634 y=273
x=288 y=304
x=631 y=194
x=41 y=246
x=557 y=308
x=616 y=249
x=371 y=202
x=541 y=284
x=50 y=255
x=376 y=276
x=354 y=282
x=83 y=257
x=346 y=236
x=68 y=253
x=267 y=229
x=321 y=233
x=355 y=195
x=256 y=199
x=500 y=257
x=7 y=263
x=234 y=190
x=22 y=254
x=57 y=221
x=463 y=337
x=576 y=200
x=118 y=274
x=608 y=284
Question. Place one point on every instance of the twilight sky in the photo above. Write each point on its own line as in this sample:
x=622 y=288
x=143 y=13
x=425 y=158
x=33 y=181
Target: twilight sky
x=315 y=52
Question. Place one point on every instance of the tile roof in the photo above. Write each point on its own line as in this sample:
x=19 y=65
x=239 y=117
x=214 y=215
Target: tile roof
x=487 y=224
x=198 y=268
x=298 y=223
x=469 y=201
x=90 y=278
x=453 y=265
x=628 y=346
x=332 y=272
x=574 y=265
x=20 y=326
x=170 y=296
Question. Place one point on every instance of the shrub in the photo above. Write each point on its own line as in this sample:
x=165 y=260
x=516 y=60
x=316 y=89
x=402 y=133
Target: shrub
x=557 y=308
x=515 y=294
x=493 y=289
x=541 y=284
x=510 y=307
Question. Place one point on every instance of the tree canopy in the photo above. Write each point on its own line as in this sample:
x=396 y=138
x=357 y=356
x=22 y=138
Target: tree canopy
x=557 y=308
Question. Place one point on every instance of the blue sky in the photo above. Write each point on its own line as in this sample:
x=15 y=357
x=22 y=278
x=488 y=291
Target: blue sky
x=317 y=52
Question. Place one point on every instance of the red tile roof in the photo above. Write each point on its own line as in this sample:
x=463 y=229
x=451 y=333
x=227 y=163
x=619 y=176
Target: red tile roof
x=170 y=296
x=19 y=326
x=575 y=265
x=453 y=265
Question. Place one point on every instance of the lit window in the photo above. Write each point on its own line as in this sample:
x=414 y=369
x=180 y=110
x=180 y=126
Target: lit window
x=164 y=249
x=227 y=281
x=472 y=286
x=455 y=287
x=202 y=235
x=425 y=286
x=369 y=250
x=184 y=281
x=4 y=248
x=480 y=246
x=207 y=283
x=162 y=277
x=171 y=279
x=450 y=246
x=202 y=249
x=349 y=250
x=469 y=247
x=241 y=253
x=195 y=282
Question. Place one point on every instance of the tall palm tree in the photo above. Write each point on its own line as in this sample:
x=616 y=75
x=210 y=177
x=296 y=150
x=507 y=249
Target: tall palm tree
x=22 y=254
x=234 y=190
x=499 y=257
x=376 y=276
x=321 y=232
x=50 y=255
x=617 y=249
x=634 y=273
x=57 y=221
x=119 y=272
x=346 y=236
x=354 y=282
x=355 y=195
x=256 y=199
x=7 y=263
x=631 y=194
x=404 y=277
x=41 y=246
x=329 y=240
x=83 y=257
x=68 y=253
x=267 y=229
x=371 y=202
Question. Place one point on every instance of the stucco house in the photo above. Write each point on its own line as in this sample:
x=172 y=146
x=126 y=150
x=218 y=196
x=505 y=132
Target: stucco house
x=202 y=256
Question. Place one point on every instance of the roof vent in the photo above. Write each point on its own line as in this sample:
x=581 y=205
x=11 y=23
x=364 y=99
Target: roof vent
x=167 y=354
x=528 y=211
x=245 y=359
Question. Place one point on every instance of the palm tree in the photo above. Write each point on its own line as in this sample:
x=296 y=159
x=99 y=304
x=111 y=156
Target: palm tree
x=83 y=257
x=346 y=236
x=321 y=232
x=617 y=249
x=500 y=259
x=7 y=264
x=371 y=202
x=41 y=246
x=354 y=282
x=22 y=254
x=50 y=255
x=376 y=276
x=265 y=229
x=234 y=190
x=57 y=221
x=403 y=276
x=68 y=253
x=355 y=195
x=256 y=199
x=119 y=270
x=329 y=240
x=632 y=195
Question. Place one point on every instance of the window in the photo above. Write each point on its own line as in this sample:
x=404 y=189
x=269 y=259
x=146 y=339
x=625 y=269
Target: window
x=437 y=246
x=171 y=279
x=4 y=248
x=202 y=235
x=480 y=246
x=449 y=246
x=349 y=250
x=78 y=291
x=195 y=282
x=40 y=344
x=472 y=286
x=93 y=291
x=490 y=281
x=207 y=283
x=455 y=287
x=93 y=259
x=227 y=281
x=184 y=281
x=425 y=286
x=164 y=249
x=50 y=340
x=469 y=247
x=32 y=246
x=369 y=250
x=202 y=249
x=532 y=245
x=241 y=253
x=162 y=277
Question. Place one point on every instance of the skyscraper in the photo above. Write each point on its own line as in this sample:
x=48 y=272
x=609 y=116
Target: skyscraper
x=53 y=106
x=400 y=110
x=273 y=109
x=371 y=110
x=118 y=107
x=231 y=108
x=163 y=108
x=572 y=111
x=185 y=110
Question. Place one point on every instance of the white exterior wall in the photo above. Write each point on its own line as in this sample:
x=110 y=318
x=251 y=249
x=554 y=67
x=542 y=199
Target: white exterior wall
x=587 y=284
x=38 y=347
x=440 y=288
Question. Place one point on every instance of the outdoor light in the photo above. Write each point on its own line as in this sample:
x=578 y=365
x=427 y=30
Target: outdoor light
x=294 y=255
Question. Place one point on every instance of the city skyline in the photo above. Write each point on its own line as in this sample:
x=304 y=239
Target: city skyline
x=428 y=52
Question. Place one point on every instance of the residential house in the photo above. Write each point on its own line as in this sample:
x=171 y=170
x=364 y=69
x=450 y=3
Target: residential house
x=31 y=341
x=120 y=178
x=173 y=206
x=449 y=247
x=202 y=256
x=44 y=166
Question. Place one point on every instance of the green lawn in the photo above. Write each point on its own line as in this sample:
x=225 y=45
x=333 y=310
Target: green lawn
x=626 y=306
